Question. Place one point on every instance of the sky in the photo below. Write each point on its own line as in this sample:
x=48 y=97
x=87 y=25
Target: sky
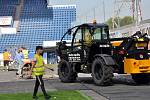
x=86 y=9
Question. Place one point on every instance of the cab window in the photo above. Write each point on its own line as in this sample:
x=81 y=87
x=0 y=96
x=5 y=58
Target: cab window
x=87 y=35
x=78 y=36
x=100 y=33
x=97 y=34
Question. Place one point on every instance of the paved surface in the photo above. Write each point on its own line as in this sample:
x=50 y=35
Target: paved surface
x=123 y=89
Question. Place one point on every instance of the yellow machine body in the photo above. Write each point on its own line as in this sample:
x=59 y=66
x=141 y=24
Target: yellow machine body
x=116 y=43
x=132 y=66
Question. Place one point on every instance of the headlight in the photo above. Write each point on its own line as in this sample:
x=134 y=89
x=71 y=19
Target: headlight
x=141 y=56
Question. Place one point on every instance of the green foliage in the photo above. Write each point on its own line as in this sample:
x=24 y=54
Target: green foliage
x=126 y=20
x=120 y=21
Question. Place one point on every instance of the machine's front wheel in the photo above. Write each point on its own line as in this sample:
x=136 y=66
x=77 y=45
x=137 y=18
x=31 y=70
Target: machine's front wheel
x=65 y=72
x=102 y=74
x=142 y=78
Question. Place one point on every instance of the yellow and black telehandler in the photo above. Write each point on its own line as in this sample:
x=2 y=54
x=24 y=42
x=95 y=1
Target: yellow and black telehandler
x=91 y=50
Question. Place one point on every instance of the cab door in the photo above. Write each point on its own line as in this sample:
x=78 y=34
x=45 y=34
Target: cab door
x=76 y=54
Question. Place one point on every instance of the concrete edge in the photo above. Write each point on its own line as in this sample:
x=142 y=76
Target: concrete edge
x=84 y=95
x=93 y=95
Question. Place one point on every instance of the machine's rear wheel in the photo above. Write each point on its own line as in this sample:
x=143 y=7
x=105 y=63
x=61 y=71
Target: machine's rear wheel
x=65 y=72
x=141 y=78
x=102 y=74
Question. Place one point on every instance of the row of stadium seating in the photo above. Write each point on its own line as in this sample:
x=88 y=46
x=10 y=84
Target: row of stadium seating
x=8 y=7
x=9 y=2
x=9 y=12
x=43 y=24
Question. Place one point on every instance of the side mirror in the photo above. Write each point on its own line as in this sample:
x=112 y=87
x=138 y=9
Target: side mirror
x=64 y=42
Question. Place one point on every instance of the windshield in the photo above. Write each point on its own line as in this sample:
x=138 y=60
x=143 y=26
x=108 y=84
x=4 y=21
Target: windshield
x=100 y=33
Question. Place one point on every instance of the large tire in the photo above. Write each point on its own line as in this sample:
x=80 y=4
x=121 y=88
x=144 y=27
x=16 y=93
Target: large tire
x=142 y=78
x=102 y=74
x=65 y=72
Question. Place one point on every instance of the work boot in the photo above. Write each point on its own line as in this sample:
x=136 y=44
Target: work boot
x=47 y=97
x=35 y=98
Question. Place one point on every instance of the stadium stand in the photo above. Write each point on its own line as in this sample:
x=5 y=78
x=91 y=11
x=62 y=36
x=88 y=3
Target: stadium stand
x=38 y=23
x=8 y=7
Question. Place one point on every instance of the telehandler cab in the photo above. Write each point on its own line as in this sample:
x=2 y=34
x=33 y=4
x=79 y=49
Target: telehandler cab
x=92 y=51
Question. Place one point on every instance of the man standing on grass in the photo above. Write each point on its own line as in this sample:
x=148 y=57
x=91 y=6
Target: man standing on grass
x=38 y=70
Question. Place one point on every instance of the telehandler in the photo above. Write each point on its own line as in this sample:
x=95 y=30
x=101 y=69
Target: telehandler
x=92 y=51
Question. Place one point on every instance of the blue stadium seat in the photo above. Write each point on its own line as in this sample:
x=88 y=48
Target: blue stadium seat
x=37 y=23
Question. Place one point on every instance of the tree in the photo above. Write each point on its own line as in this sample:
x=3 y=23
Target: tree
x=126 y=20
x=119 y=21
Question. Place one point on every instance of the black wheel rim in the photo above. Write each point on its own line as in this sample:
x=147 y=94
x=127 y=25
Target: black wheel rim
x=64 y=70
x=98 y=71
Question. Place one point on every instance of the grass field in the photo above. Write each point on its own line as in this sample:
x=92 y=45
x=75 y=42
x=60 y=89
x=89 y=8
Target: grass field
x=56 y=95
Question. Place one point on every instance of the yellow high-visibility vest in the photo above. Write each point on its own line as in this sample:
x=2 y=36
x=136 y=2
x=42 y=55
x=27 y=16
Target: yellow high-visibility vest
x=88 y=39
x=25 y=53
x=39 y=66
x=6 y=56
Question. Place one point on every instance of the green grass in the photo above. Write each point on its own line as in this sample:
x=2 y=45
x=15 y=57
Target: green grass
x=56 y=95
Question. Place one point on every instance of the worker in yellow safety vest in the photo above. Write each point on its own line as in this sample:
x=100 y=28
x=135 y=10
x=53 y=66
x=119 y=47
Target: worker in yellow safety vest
x=25 y=53
x=6 y=57
x=88 y=39
x=38 y=71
